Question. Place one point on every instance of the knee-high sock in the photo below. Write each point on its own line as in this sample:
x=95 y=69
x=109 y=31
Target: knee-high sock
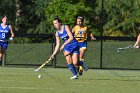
x=72 y=68
x=80 y=63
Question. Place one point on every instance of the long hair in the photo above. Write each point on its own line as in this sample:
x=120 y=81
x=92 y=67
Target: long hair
x=58 y=19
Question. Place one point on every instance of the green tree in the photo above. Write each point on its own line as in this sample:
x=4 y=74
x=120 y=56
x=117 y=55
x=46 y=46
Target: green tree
x=67 y=10
x=6 y=8
x=120 y=17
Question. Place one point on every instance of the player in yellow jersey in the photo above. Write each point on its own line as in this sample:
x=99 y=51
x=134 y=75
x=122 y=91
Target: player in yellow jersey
x=81 y=33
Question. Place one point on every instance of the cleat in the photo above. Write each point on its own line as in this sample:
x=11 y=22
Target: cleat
x=137 y=46
x=80 y=70
x=74 y=77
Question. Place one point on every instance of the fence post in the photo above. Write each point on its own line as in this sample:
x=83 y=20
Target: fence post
x=53 y=45
x=102 y=24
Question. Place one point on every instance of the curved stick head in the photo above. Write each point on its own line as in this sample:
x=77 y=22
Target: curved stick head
x=118 y=50
x=36 y=70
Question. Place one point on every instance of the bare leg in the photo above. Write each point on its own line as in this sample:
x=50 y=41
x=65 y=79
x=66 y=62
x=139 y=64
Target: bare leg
x=75 y=59
x=81 y=62
x=82 y=52
x=68 y=57
x=70 y=65
x=137 y=42
x=1 y=55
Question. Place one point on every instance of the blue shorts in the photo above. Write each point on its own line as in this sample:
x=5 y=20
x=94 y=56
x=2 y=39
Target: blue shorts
x=82 y=45
x=74 y=49
x=4 y=45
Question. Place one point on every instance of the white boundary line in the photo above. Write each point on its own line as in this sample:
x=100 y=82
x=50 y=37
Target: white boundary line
x=79 y=82
x=29 y=88
x=13 y=81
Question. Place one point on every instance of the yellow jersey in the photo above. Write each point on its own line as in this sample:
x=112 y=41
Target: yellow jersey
x=80 y=33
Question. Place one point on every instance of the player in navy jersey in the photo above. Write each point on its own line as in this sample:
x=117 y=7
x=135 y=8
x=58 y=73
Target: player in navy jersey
x=5 y=30
x=69 y=46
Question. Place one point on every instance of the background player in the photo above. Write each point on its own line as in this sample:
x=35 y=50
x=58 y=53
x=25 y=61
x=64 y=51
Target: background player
x=5 y=30
x=81 y=32
x=136 y=45
x=69 y=46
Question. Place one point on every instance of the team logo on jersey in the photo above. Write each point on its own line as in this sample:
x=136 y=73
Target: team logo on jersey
x=5 y=31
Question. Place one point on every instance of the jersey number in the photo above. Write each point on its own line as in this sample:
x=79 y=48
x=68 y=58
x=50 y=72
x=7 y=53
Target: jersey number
x=3 y=35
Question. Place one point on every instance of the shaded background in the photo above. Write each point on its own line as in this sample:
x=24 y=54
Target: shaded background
x=115 y=23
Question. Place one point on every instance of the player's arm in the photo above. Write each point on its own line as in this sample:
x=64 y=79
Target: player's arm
x=91 y=35
x=70 y=37
x=69 y=34
x=57 y=44
x=11 y=31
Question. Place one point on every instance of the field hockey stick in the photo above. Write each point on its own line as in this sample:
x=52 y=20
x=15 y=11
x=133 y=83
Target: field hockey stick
x=123 y=48
x=48 y=62
x=45 y=63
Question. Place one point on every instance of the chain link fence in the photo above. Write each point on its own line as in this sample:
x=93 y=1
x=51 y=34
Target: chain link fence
x=37 y=53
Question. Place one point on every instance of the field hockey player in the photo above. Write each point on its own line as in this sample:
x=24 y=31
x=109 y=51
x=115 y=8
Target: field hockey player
x=69 y=46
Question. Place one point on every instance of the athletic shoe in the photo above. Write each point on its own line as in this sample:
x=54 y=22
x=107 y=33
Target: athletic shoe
x=74 y=77
x=80 y=70
x=85 y=67
x=137 y=46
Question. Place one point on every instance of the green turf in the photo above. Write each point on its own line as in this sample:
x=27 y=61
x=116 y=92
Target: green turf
x=55 y=80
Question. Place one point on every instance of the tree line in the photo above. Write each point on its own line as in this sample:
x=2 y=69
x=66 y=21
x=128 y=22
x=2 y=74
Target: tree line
x=120 y=17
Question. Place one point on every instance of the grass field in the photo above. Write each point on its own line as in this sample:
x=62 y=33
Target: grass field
x=56 y=80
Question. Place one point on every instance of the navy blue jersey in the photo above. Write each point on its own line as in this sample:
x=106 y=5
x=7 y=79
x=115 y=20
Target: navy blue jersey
x=70 y=47
x=64 y=36
x=4 y=32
